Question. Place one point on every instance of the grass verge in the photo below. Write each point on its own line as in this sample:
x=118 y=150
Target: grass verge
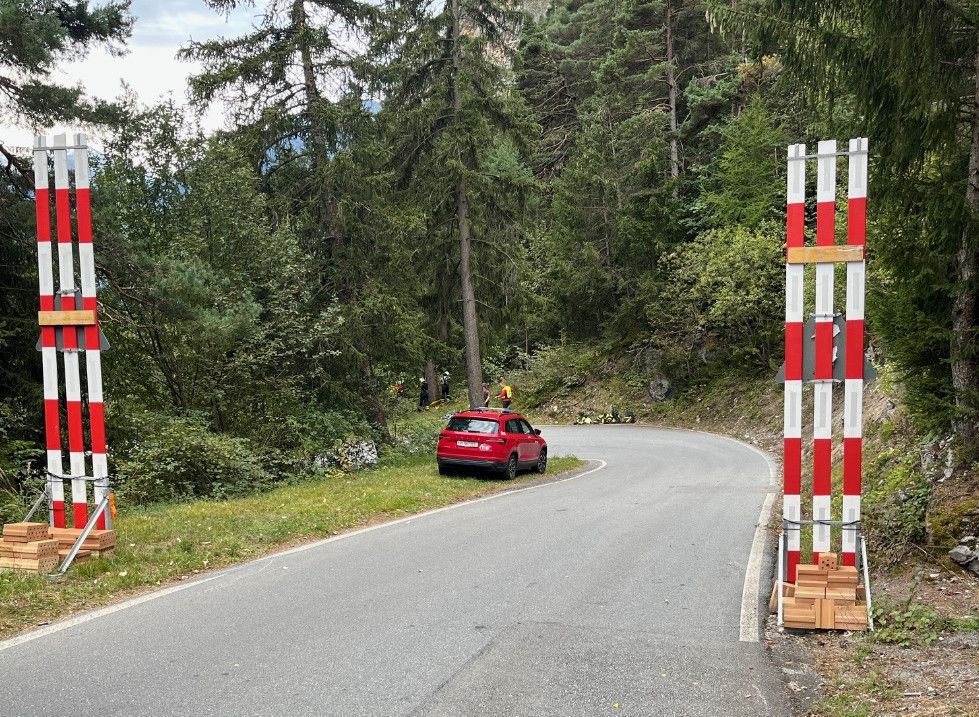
x=168 y=543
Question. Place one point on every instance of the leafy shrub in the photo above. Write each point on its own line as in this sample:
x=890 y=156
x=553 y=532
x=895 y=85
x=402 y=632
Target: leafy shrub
x=908 y=626
x=180 y=459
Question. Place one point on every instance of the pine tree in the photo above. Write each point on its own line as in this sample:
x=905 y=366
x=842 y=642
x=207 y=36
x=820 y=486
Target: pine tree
x=34 y=36
x=911 y=70
x=450 y=106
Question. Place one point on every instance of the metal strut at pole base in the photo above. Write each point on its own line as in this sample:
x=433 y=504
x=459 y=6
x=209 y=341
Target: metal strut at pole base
x=37 y=503
x=100 y=508
x=866 y=581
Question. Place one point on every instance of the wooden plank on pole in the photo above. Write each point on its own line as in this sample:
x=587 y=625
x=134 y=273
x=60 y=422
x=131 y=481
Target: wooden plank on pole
x=77 y=317
x=824 y=254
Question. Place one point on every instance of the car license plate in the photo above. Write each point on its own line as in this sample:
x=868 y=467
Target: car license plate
x=467 y=444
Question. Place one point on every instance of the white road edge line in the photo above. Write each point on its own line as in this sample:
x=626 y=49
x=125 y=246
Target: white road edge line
x=751 y=594
x=147 y=597
x=100 y=612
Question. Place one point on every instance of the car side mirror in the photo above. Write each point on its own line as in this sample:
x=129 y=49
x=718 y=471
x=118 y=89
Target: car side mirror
x=537 y=431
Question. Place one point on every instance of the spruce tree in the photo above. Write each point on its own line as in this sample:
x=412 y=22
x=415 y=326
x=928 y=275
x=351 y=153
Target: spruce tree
x=450 y=106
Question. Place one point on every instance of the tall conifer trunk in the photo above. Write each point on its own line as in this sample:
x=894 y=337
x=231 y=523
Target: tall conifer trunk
x=671 y=80
x=964 y=376
x=470 y=324
x=314 y=109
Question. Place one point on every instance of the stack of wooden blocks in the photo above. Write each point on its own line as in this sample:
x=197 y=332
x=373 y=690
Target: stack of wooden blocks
x=826 y=596
x=26 y=547
x=98 y=543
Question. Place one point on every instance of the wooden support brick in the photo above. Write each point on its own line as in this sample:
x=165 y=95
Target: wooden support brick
x=828 y=561
x=842 y=593
x=827 y=615
x=34 y=550
x=25 y=532
x=788 y=590
x=811 y=592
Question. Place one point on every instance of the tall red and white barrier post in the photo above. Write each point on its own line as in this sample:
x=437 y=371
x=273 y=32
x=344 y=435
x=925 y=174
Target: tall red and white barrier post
x=820 y=353
x=60 y=318
x=794 y=294
x=856 y=272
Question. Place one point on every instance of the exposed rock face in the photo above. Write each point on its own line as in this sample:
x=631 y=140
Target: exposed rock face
x=966 y=554
x=660 y=389
x=349 y=456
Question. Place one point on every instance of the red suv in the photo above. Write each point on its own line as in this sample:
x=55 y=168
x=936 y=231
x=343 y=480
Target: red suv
x=486 y=438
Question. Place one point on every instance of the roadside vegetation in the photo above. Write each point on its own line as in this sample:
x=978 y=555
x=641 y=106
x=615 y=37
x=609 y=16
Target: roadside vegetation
x=583 y=196
x=167 y=543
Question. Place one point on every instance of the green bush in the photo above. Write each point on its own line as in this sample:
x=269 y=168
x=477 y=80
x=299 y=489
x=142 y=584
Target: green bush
x=180 y=459
x=908 y=626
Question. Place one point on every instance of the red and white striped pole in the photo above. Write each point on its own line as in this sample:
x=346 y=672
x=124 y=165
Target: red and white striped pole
x=856 y=271
x=93 y=354
x=66 y=288
x=794 y=276
x=822 y=443
x=49 y=351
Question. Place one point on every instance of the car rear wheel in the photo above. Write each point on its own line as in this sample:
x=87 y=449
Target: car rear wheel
x=510 y=471
x=542 y=461
x=444 y=470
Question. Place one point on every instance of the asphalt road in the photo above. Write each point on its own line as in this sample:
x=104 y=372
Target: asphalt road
x=618 y=592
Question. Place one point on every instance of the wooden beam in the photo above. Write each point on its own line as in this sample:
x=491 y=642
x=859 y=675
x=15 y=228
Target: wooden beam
x=823 y=254
x=80 y=317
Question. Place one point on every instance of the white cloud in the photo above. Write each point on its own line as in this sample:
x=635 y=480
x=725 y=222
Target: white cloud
x=150 y=66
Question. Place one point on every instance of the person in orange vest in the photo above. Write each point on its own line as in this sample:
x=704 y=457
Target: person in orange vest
x=506 y=393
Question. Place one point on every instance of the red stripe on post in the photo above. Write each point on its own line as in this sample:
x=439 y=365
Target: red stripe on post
x=42 y=212
x=795 y=225
x=854 y=348
x=83 y=208
x=852 y=466
x=793 y=351
x=59 y=513
x=822 y=466
x=90 y=303
x=856 y=224
x=96 y=418
x=75 y=443
x=825 y=223
x=63 y=210
x=48 y=337
x=79 y=512
x=824 y=350
x=794 y=557
x=792 y=465
x=849 y=559
x=52 y=425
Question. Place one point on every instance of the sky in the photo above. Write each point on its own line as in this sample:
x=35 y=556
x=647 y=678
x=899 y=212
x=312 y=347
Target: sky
x=150 y=67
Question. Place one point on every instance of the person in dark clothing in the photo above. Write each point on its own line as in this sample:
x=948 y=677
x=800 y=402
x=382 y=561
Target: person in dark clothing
x=444 y=381
x=486 y=396
x=423 y=398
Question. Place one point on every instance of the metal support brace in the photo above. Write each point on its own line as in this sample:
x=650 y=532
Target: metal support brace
x=37 y=503
x=866 y=580
x=103 y=505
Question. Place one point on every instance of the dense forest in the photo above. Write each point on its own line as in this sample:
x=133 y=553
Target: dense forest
x=409 y=187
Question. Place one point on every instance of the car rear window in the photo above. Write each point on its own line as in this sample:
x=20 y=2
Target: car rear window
x=473 y=425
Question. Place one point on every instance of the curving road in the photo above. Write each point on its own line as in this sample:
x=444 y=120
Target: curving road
x=616 y=592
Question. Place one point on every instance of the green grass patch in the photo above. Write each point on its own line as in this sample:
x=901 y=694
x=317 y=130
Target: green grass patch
x=167 y=543
x=857 y=697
